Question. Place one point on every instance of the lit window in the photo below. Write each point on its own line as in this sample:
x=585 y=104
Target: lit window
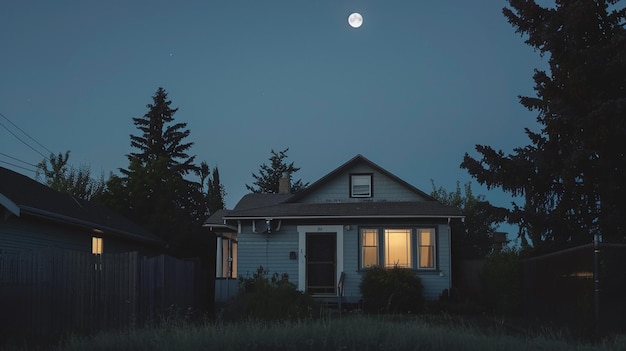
x=361 y=185
x=227 y=255
x=369 y=251
x=426 y=239
x=398 y=248
x=96 y=246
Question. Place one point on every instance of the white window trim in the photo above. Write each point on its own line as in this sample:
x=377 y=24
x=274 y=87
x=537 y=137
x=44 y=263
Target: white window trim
x=434 y=245
x=302 y=232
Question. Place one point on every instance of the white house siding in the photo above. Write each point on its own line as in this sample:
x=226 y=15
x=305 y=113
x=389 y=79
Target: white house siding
x=272 y=252
x=268 y=250
x=338 y=189
x=351 y=264
x=435 y=282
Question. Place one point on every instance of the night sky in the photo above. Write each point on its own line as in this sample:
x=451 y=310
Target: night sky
x=413 y=89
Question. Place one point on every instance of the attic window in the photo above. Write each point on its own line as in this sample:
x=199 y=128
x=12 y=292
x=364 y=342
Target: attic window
x=361 y=185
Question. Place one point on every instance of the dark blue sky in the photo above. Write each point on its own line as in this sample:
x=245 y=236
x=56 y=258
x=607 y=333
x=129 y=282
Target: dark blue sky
x=413 y=89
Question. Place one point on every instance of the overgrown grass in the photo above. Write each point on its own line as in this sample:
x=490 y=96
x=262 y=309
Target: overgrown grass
x=346 y=333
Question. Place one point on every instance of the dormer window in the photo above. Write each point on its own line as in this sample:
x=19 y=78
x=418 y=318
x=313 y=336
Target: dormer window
x=361 y=185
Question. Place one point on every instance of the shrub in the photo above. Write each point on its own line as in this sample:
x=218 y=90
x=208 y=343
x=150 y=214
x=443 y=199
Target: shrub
x=395 y=290
x=262 y=297
x=502 y=282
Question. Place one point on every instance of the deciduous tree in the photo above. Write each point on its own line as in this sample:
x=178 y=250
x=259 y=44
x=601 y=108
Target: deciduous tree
x=472 y=237
x=60 y=176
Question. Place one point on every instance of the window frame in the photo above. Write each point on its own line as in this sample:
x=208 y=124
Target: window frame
x=419 y=246
x=371 y=185
x=415 y=231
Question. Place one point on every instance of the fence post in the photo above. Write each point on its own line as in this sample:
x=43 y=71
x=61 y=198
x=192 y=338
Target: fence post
x=596 y=281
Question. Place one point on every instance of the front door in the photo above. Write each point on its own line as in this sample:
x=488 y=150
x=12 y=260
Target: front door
x=321 y=263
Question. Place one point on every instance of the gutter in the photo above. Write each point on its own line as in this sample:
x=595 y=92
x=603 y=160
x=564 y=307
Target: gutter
x=89 y=225
x=339 y=217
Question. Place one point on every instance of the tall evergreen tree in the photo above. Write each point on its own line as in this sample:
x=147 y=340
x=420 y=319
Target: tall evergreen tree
x=268 y=179
x=571 y=175
x=154 y=190
x=216 y=192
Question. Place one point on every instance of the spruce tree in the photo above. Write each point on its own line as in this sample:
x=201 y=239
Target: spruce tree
x=571 y=175
x=268 y=179
x=156 y=189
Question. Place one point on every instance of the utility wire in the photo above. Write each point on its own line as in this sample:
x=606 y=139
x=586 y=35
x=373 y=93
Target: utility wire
x=17 y=159
x=30 y=137
x=14 y=165
x=23 y=142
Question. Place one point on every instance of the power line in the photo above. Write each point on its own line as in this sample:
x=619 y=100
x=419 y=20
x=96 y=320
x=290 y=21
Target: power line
x=17 y=159
x=30 y=137
x=23 y=142
x=14 y=165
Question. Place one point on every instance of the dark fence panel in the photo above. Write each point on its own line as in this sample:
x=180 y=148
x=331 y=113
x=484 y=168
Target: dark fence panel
x=52 y=291
x=171 y=287
x=49 y=291
x=559 y=287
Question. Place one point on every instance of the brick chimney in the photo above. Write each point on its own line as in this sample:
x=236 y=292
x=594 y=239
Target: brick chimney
x=284 y=184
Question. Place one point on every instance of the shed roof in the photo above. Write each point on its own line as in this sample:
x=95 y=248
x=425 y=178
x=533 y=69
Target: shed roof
x=22 y=195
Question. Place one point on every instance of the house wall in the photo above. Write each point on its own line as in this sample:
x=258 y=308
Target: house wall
x=268 y=250
x=272 y=251
x=338 y=189
x=27 y=233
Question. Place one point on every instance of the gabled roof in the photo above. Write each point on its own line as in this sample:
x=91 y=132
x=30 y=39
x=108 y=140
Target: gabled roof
x=286 y=206
x=21 y=195
x=351 y=163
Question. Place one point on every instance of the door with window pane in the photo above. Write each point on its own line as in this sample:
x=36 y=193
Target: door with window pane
x=321 y=263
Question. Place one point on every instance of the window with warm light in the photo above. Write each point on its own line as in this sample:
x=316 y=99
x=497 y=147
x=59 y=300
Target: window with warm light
x=227 y=256
x=96 y=245
x=369 y=247
x=361 y=185
x=426 y=239
x=398 y=247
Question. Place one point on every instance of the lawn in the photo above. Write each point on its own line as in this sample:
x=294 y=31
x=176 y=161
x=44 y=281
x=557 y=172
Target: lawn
x=344 y=333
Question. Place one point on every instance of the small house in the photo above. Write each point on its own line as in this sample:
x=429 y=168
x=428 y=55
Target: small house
x=325 y=236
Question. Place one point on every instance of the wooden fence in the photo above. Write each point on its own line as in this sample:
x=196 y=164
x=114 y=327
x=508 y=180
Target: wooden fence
x=560 y=287
x=52 y=291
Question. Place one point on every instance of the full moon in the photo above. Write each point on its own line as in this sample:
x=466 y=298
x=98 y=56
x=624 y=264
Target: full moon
x=355 y=20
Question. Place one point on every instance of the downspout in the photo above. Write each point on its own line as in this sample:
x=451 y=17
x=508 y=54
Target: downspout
x=450 y=255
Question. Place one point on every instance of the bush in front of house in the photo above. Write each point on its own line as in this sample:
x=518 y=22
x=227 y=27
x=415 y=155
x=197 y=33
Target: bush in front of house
x=265 y=297
x=394 y=290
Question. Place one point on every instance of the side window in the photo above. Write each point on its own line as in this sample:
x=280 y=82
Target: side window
x=369 y=247
x=426 y=238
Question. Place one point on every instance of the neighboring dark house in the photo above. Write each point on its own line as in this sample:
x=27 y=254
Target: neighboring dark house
x=356 y=216
x=33 y=216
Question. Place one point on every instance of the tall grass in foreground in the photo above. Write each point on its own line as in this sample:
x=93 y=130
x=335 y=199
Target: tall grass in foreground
x=349 y=333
